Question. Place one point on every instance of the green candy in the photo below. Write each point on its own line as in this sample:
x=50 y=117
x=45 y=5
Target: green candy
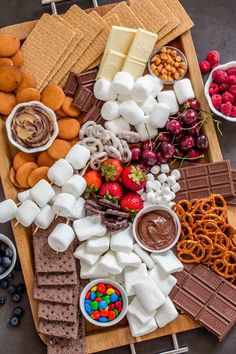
x=120 y=298
x=107 y=298
x=116 y=312
x=99 y=294
x=94 y=305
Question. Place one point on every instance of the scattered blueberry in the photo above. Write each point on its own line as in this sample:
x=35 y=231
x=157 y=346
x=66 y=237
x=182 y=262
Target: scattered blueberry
x=14 y=321
x=18 y=311
x=4 y=284
x=16 y=297
x=20 y=288
x=2 y=300
x=17 y=266
x=9 y=252
x=9 y=276
x=11 y=289
x=6 y=261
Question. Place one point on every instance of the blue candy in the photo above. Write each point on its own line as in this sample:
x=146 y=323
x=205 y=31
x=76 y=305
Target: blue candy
x=114 y=297
x=103 y=319
x=102 y=305
x=93 y=295
x=88 y=309
x=87 y=302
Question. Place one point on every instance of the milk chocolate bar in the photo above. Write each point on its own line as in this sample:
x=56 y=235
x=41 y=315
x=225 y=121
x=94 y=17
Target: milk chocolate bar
x=71 y=85
x=87 y=77
x=232 y=200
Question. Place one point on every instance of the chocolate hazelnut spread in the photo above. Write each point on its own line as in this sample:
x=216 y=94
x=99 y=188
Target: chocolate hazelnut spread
x=156 y=229
x=32 y=126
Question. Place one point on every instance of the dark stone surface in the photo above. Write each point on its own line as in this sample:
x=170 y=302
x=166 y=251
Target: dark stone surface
x=215 y=28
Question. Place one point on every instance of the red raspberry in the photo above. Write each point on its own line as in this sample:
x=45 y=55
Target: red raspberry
x=231 y=71
x=223 y=87
x=226 y=108
x=232 y=89
x=213 y=57
x=213 y=89
x=205 y=66
x=227 y=97
x=233 y=112
x=216 y=100
x=232 y=80
x=219 y=76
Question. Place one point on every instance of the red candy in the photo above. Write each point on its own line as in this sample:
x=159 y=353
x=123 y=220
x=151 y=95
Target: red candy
x=98 y=299
x=87 y=297
x=118 y=292
x=111 y=315
x=104 y=313
x=118 y=305
x=111 y=307
x=101 y=288
x=109 y=286
x=96 y=315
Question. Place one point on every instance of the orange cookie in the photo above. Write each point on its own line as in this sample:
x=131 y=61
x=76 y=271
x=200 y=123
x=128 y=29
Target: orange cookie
x=23 y=172
x=73 y=141
x=60 y=113
x=10 y=78
x=9 y=45
x=18 y=58
x=68 y=128
x=21 y=158
x=27 y=95
x=53 y=97
x=59 y=149
x=7 y=103
x=27 y=81
x=44 y=159
x=68 y=108
x=5 y=61
x=38 y=174
x=12 y=176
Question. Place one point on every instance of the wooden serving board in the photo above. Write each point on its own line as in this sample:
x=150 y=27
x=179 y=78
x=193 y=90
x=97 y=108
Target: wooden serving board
x=99 y=339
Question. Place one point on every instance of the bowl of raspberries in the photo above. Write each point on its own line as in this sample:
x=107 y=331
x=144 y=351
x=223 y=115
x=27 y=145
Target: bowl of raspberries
x=220 y=91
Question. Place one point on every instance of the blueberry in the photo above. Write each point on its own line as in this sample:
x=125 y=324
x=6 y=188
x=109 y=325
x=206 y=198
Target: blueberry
x=16 y=297
x=6 y=262
x=2 y=300
x=10 y=276
x=4 y=284
x=20 y=288
x=11 y=289
x=2 y=269
x=18 y=311
x=14 y=321
x=3 y=247
x=9 y=252
x=17 y=266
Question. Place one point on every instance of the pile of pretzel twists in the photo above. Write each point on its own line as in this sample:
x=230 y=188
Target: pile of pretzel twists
x=205 y=235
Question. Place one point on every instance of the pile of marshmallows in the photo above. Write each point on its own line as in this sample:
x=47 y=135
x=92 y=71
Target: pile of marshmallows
x=140 y=103
x=145 y=276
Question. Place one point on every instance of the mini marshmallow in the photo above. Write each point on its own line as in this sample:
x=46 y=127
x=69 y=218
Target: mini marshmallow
x=42 y=193
x=57 y=191
x=168 y=98
x=98 y=244
x=157 y=85
x=171 y=204
x=155 y=169
x=27 y=212
x=148 y=294
x=158 y=200
x=61 y=237
x=149 y=185
x=122 y=98
x=78 y=210
x=183 y=90
x=166 y=313
x=176 y=174
x=92 y=272
x=150 y=177
x=148 y=105
x=76 y=185
x=168 y=262
x=122 y=240
x=64 y=204
x=165 y=190
x=144 y=255
x=25 y=195
x=83 y=255
x=78 y=157
x=156 y=185
x=172 y=195
x=166 y=198
x=144 y=196
x=138 y=329
x=165 y=283
x=123 y=83
x=146 y=130
x=60 y=172
x=7 y=210
x=45 y=217
x=131 y=112
x=165 y=168
x=142 y=89
x=110 y=263
x=162 y=178
x=171 y=180
x=159 y=115
x=128 y=260
x=88 y=227
x=151 y=197
x=131 y=275
x=146 y=204
x=103 y=90
x=176 y=187
x=110 y=110
x=117 y=125
x=136 y=309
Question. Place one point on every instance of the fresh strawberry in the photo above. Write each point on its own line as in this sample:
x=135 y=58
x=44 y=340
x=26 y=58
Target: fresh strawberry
x=131 y=203
x=111 y=190
x=93 y=181
x=112 y=169
x=134 y=178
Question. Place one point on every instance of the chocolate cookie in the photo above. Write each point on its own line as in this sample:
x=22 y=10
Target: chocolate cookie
x=106 y=203
x=119 y=214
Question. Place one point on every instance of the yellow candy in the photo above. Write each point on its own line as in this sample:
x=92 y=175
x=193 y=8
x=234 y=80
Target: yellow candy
x=94 y=288
x=110 y=291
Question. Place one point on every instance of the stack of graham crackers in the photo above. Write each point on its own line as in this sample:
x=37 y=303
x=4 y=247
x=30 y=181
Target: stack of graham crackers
x=57 y=289
x=76 y=41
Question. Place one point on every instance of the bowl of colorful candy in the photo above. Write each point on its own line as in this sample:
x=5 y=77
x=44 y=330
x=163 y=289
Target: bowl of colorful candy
x=7 y=256
x=103 y=302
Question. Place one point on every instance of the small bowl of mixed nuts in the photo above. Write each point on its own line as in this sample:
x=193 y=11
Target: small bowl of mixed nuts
x=169 y=64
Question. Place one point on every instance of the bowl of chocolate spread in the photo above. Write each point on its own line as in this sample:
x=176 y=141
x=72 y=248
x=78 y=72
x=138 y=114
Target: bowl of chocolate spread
x=156 y=228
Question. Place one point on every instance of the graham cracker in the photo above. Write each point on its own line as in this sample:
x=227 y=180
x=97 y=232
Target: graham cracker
x=126 y=16
x=44 y=46
x=52 y=279
x=58 y=329
x=149 y=15
x=60 y=294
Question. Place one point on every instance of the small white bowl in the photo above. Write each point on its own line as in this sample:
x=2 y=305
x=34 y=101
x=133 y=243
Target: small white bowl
x=41 y=148
x=152 y=208
x=208 y=96
x=123 y=295
x=8 y=242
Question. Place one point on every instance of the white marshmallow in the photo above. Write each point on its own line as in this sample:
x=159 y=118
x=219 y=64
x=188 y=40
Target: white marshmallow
x=151 y=197
x=165 y=168
x=176 y=174
x=78 y=156
x=172 y=195
x=148 y=294
x=150 y=177
x=27 y=212
x=166 y=198
x=138 y=329
x=171 y=204
x=148 y=105
x=149 y=184
x=110 y=263
x=168 y=262
x=165 y=283
x=45 y=217
x=155 y=169
x=92 y=272
x=117 y=125
x=98 y=244
x=123 y=83
x=83 y=255
x=168 y=98
x=176 y=187
x=78 y=210
x=57 y=191
x=88 y=227
x=76 y=185
x=146 y=204
x=159 y=115
x=165 y=190
x=144 y=255
x=42 y=193
x=166 y=313
x=162 y=178
x=61 y=237
x=60 y=172
x=142 y=89
x=122 y=98
x=183 y=90
x=136 y=309
x=132 y=275
x=131 y=112
x=146 y=130
x=7 y=210
x=128 y=260
x=171 y=180
x=122 y=240
x=157 y=85
x=103 y=90
x=110 y=110
x=158 y=200
x=64 y=204
x=25 y=195
x=156 y=185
